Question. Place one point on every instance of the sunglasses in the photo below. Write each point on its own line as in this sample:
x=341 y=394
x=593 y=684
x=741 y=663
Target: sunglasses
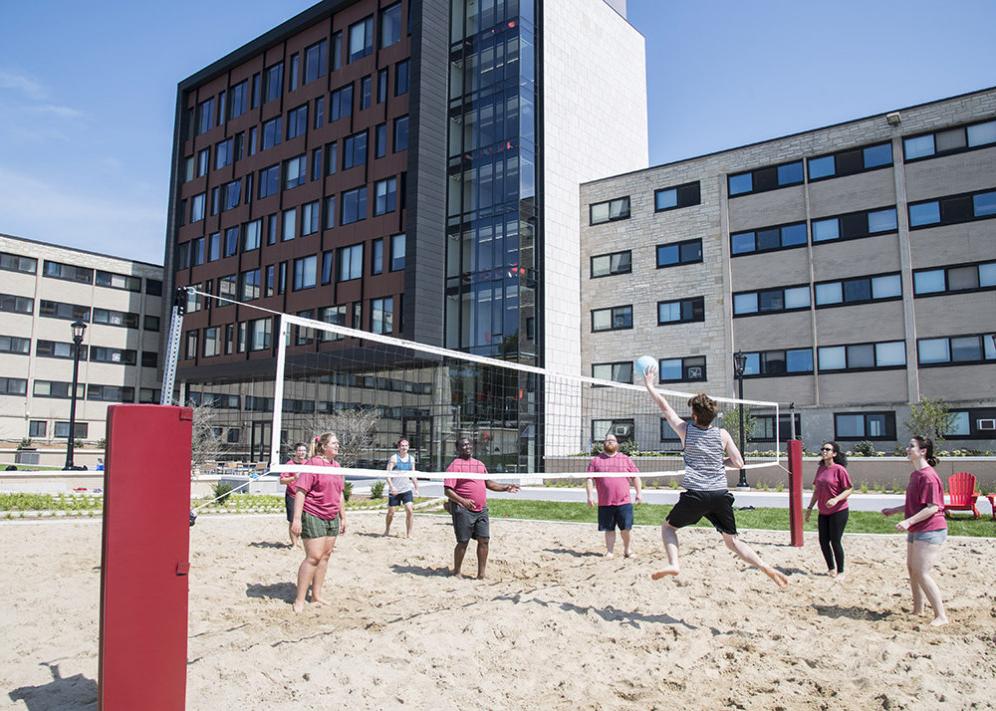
x=826 y=449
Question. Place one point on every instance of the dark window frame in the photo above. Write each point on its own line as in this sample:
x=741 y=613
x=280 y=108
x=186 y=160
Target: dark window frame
x=947 y=289
x=679 y=194
x=857 y=302
x=693 y=300
x=626 y=216
x=768 y=312
x=860 y=369
x=754 y=189
x=782 y=247
x=763 y=358
x=613 y=365
x=863 y=169
x=949 y=199
x=591 y=264
x=684 y=370
x=951 y=361
x=612 y=318
x=846 y=238
x=951 y=151
x=890 y=420
x=681 y=262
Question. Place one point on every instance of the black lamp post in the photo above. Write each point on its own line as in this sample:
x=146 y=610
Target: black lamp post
x=78 y=328
x=739 y=363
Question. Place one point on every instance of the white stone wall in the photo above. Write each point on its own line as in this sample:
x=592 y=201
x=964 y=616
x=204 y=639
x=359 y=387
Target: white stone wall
x=594 y=124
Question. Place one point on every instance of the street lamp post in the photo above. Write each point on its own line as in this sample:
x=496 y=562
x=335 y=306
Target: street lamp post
x=739 y=363
x=78 y=328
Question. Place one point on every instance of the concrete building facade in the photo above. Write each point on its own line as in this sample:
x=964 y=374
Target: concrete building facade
x=854 y=265
x=46 y=288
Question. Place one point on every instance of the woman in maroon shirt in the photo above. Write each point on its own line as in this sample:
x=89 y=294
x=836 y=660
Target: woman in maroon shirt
x=926 y=529
x=831 y=487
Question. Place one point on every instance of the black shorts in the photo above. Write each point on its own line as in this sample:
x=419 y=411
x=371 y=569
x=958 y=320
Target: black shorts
x=470 y=524
x=289 y=506
x=609 y=517
x=716 y=506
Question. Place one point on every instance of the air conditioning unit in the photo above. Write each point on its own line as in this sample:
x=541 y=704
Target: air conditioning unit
x=987 y=424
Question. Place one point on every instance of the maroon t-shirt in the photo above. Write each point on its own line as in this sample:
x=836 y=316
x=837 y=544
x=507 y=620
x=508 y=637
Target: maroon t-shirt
x=925 y=489
x=829 y=482
x=322 y=492
x=473 y=489
x=612 y=491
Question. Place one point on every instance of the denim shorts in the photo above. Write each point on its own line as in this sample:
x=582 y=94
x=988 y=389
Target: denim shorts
x=611 y=517
x=935 y=538
x=405 y=497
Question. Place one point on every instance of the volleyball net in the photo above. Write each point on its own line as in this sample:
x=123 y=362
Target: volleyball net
x=527 y=424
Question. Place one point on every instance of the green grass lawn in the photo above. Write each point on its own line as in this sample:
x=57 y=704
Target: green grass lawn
x=771 y=519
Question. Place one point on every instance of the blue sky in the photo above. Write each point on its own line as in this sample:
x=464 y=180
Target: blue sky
x=87 y=90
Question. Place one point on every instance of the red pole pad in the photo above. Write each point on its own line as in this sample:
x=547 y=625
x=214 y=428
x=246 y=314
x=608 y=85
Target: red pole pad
x=795 y=490
x=146 y=542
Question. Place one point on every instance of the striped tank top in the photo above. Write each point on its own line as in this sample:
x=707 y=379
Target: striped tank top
x=703 y=456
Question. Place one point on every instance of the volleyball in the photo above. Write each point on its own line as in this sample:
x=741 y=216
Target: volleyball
x=644 y=363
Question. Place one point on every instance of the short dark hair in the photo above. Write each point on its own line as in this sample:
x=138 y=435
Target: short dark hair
x=703 y=409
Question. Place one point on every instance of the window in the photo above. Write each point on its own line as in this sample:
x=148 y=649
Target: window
x=153 y=287
x=231 y=241
x=863 y=356
x=351 y=262
x=681 y=370
x=273 y=82
x=354 y=150
x=622 y=429
x=354 y=205
x=951 y=140
x=316 y=61
x=681 y=311
x=259 y=334
x=792 y=361
x=621 y=372
x=20 y=305
x=360 y=39
x=108 y=317
x=17 y=263
x=100 y=354
x=297 y=122
x=764 y=428
x=382 y=315
x=789 y=298
x=676 y=197
x=337 y=50
x=203 y=161
x=197 y=251
x=110 y=393
x=377 y=257
x=305 y=273
x=380 y=140
x=273 y=132
x=327 y=262
x=331 y=158
x=341 y=103
x=205 y=111
x=609 y=211
x=212 y=341
x=762 y=179
x=334 y=315
x=953 y=209
x=37 y=428
x=79 y=430
x=67 y=312
x=68 y=272
x=864 y=425
x=59 y=349
x=111 y=280
x=366 y=93
x=316 y=163
x=678 y=253
x=269 y=181
x=854 y=160
x=859 y=290
x=296 y=171
x=768 y=239
x=610 y=264
x=612 y=319
x=289 y=225
x=15 y=345
x=223 y=153
x=55 y=389
x=232 y=195
x=252 y=234
x=854 y=225
x=956 y=350
x=151 y=323
x=13 y=386
x=954 y=279
x=397 y=252
x=385 y=196
x=240 y=99
x=250 y=285
x=253 y=140
x=381 y=85
x=197 y=207
x=390 y=25
x=330 y=212
x=401 y=134
x=401 y=78
x=150 y=359
x=309 y=218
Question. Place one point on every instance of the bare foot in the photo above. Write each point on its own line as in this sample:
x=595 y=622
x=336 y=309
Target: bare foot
x=609 y=554
x=840 y=577
x=917 y=610
x=629 y=554
x=938 y=621
x=670 y=570
x=298 y=607
x=776 y=575
x=832 y=572
x=456 y=574
x=318 y=601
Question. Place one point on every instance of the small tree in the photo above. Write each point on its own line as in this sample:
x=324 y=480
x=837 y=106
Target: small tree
x=354 y=429
x=930 y=418
x=205 y=441
x=731 y=423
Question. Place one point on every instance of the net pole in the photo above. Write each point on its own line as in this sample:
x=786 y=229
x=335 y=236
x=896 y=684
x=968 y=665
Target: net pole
x=278 y=391
x=795 y=490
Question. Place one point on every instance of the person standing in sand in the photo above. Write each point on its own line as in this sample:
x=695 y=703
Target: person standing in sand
x=831 y=487
x=705 y=492
x=468 y=505
x=925 y=527
x=614 y=505
x=401 y=488
x=319 y=518
x=288 y=479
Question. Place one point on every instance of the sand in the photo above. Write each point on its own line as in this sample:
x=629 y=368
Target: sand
x=556 y=625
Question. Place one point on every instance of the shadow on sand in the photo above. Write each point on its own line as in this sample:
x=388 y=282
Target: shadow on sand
x=269 y=544
x=573 y=553
x=274 y=591
x=853 y=612
x=74 y=692
x=440 y=571
x=608 y=613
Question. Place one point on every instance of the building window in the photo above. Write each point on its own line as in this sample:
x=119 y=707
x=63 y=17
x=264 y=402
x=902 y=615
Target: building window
x=240 y=99
x=766 y=301
x=972 y=424
x=108 y=317
x=620 y=372
x=337 y=50
x=354 y=205
x=232 y=195
x=678 y=253
x=68 y=272
x=309 y=218
x=331 y=158
x=150 y=359
x=615 y=318
x=385 y=196
x=316 y=61
x=269 y=181
x=250 y=285
x=863 y=356
x=390 y=25
x=305 y=272
x=622 y=429
x=15 y=345
x=327 y=262
x=297 y=122
x=259 y=334
x=854 y=225
x=223 y=154
x=681 y=311
x=681 y=370
x=366 y=92
x=679 y=196
x=763 y=179
x=397 y=252
x=151 y=323
x=766 y=364
x=360 y=39
x=856 y=426
x=380 y=140
x=110 y=393
x=19 y=304
x=764 y=428
x=289 y=225
x=854 y=160
x=860 y=290
x=953 y=209
x=957 y=350
x=67 y=312
x=153 y=287
x=401 y=77
x=382 y=85
x=80 y=430
x=330 y=212
x=341 y=103
x=197 y=251
x=205 y=111
x=351 y=262
x=212 y=341
x=273 y=132
x=55 y=389
x=335 y=315
x=17 y=263
x=203 y=161
x=354 y=150
x=954 y=279
x=273 y=82
x=768 y=239
x=111 y=280
x=377 y=257
x=252 y=235
x=197 y=207
x=59 y=349
x=13 y=386
x=610 y=264
x=295 y=171
x=609 y=211
x=401 y=134
x=227 y=288
x=382 y=315
x=38 y=428
x=269 y=286
x=951 y=140
x=119 y=356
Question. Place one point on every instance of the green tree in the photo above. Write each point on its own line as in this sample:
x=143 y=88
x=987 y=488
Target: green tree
x=731 y=423
x=930 y=418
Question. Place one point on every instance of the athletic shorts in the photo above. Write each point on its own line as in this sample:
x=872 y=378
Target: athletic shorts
x=470 y=524
x=289 y=505
x=716 y=506
x=935 y=538
x=611 y=517
x=314 y=527
x=405 y=497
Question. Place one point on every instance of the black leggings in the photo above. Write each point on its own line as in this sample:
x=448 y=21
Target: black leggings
x=831 y=530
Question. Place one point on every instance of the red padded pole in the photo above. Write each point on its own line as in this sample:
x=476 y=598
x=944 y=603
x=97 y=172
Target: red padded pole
x=795 y=490
x=144 y=563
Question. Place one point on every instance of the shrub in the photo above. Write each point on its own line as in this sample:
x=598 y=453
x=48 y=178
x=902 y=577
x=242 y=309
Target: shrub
x=347 y=490
x=25 y=443
x=222 y=490
x=377 y=490
x=865 y=449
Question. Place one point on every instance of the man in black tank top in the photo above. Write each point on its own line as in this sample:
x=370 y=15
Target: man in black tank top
x=705 y=482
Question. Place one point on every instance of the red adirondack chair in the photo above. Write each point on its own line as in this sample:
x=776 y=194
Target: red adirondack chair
x=962 y=494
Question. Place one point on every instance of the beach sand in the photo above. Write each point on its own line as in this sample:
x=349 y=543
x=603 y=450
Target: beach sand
x=556 y=625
